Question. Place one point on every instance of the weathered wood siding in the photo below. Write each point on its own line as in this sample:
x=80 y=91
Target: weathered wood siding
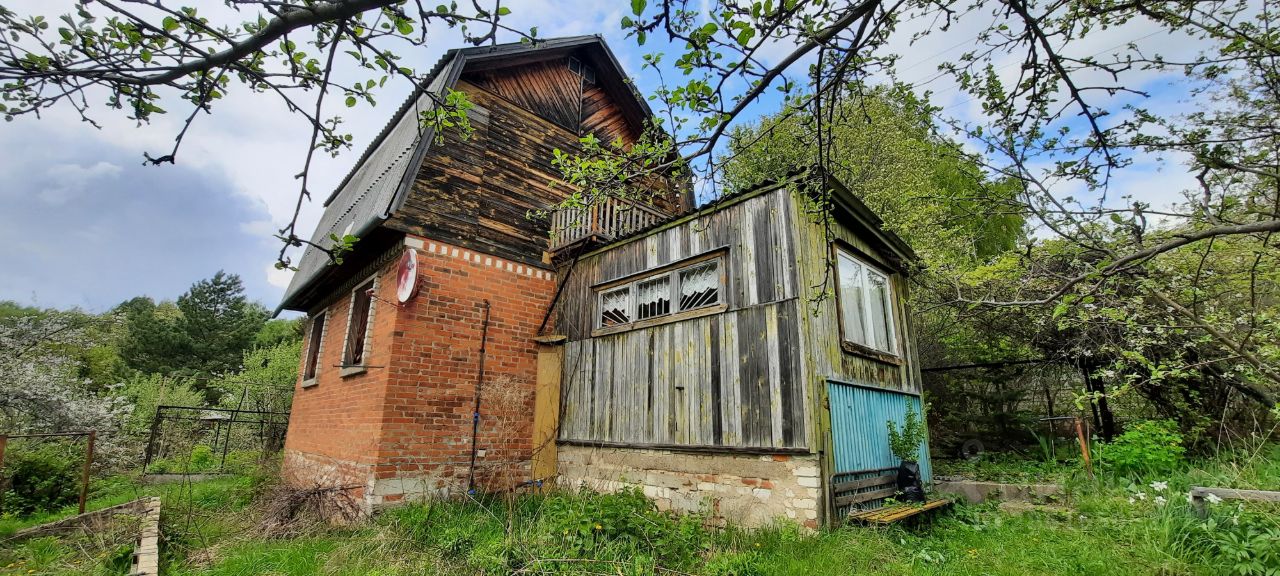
x=477 y=192
x=551 y=90
x=731 y=379
x=821 y=326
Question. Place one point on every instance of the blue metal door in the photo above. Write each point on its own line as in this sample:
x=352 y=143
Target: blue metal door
x=860 y=435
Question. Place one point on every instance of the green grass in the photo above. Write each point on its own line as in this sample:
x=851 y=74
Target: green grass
x=211 y=528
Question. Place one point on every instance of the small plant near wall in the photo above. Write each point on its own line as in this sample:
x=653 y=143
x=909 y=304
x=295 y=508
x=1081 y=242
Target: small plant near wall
x=905 y=442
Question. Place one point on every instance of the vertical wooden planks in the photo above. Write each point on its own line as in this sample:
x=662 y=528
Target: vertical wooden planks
x=546 y=414
x=736 y=378
x=774 y=373
x=730 y=380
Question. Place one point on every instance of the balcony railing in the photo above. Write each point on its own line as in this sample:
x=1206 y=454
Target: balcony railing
x=600 y=222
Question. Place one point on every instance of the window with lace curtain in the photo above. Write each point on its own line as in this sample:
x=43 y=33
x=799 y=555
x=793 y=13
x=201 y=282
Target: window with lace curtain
x=866 y=304
x=662 y=294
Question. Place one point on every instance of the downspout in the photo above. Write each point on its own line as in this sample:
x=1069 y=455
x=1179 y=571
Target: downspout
x=475 y=413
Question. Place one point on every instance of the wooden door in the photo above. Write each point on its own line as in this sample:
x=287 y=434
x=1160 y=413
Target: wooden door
x=546 y=410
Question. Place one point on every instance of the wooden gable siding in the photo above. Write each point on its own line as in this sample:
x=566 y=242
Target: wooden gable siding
x=827 y=359
x=732 y=379
x=477 y=192
x=553 y=91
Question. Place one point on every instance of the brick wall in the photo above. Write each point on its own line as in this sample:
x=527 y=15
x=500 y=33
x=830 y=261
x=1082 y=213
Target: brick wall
x=336 y=420
x=742 y=489
x=402 y=429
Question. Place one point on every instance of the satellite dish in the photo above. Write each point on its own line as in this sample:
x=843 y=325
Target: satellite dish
x=407 y=275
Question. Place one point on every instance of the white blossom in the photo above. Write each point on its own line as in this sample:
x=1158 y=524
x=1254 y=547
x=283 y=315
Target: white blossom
x=1141 y=495
x=1159 y=486
x=1160 y=500
x=1213 y=498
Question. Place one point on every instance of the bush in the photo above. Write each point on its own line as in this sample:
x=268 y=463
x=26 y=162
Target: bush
x=905 y=443
x=1246 y=548
x=43 y=477
x=1147 y=447
x=583 y=523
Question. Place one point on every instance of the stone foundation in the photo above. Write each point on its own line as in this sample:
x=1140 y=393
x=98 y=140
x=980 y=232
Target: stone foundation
x=305 y=470
x=744 y=490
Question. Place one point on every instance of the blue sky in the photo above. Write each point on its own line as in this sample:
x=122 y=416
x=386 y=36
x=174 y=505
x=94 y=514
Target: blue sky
x=84 y=223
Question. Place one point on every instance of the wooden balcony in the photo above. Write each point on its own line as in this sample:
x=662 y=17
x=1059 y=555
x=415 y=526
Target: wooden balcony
x=600 y=223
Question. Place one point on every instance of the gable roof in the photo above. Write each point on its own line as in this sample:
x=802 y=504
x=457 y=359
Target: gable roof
x=380 y=180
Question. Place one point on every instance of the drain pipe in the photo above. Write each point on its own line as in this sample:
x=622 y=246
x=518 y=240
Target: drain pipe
x=475 y=412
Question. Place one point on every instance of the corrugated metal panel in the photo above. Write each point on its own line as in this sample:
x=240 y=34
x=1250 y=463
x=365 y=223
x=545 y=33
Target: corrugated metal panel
x=859 y=434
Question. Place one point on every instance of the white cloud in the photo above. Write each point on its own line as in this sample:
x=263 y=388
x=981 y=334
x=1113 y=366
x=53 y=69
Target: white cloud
x=278 y=278
x=70 y=180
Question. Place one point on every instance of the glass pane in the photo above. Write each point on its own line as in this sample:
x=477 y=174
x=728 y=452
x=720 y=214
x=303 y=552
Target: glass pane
x=313 y=346
x=361 y=304
x=615 y=307
x=700 y=285
x=653 y=297
x=881 y=308
x=851 y=312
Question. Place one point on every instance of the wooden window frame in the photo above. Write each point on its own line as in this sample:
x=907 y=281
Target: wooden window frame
x=893 y=357
x=315 y=346
x=672 y=271
x=349 y=367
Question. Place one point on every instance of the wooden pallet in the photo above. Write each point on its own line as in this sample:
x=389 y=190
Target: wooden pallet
x=896 y=512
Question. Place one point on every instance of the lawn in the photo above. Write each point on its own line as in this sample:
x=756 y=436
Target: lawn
x=1111 y=525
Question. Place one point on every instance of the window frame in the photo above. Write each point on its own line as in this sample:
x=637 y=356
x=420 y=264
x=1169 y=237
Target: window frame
x=867 y=264
x=315 y=347
x=349 y=367
x=672 y=273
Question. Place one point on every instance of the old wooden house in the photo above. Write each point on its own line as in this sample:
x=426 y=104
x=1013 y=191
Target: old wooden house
x=464 y=345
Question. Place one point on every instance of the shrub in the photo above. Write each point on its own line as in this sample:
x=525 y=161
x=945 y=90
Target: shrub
x=905 y=443
x=202 y=459
x=1247 y=548
x=43 y=477
x=1147 y=447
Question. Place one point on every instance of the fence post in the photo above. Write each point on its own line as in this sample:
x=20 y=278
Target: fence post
x=88 y=460
x=1084 y=446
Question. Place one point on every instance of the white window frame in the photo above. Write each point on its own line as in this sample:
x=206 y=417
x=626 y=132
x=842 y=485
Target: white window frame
x=867 y=268
x=672 y=272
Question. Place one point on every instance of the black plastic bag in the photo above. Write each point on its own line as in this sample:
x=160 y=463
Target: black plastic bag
x=910 y=487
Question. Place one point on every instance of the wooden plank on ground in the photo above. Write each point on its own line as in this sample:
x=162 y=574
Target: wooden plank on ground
x=895 y=513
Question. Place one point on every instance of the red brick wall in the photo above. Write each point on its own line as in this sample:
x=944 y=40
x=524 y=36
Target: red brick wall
x=336 y=420
x=408 y=423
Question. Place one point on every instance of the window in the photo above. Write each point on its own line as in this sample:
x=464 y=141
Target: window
x=653 y=298
x=313 y=346
x=358 y=326
x=615 y=307
x=700 y=285
x=677 y=289
x=866 y=304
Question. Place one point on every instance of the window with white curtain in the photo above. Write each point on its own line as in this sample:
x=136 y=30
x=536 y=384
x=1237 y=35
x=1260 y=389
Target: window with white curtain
x=675 y=290
x=866 y=304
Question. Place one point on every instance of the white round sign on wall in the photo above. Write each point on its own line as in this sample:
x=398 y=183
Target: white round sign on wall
x=407 y=275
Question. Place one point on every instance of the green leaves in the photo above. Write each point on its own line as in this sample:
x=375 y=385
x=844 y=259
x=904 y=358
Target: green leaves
x=169 y=24
x=638 y=6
